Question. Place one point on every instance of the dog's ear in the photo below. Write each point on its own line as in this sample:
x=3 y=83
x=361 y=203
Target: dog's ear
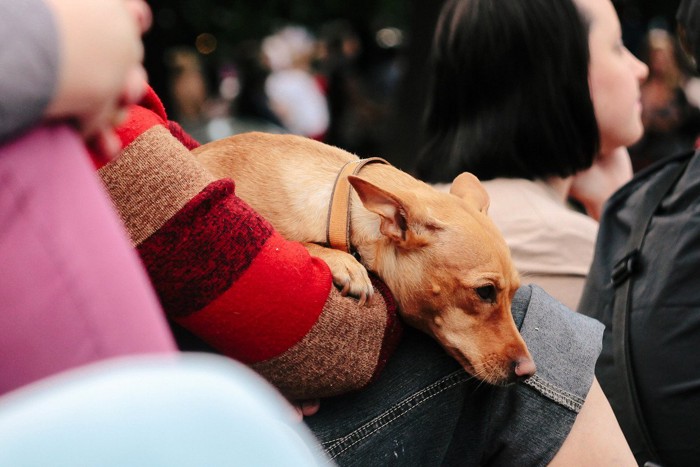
x=394 y=223
x=470 y=189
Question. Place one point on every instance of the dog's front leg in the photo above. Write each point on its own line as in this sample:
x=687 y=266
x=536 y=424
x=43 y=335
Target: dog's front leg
x=348 y=274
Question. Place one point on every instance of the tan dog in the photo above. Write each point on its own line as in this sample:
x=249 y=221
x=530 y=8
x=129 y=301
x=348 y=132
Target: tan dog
x=439 y=253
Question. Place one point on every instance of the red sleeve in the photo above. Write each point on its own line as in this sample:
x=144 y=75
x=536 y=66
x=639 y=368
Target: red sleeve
x=222 y=272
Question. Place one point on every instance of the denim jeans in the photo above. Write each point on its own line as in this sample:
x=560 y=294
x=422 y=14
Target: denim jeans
x=424 y=410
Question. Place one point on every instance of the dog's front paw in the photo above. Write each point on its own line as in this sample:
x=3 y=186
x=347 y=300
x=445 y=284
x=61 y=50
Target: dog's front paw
x=349 y=275
x=354 y=282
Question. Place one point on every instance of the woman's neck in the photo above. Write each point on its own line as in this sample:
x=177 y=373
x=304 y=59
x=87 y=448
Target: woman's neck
x=559 y=187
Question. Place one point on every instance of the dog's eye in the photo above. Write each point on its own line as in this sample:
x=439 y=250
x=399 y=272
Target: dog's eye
x=487 y=293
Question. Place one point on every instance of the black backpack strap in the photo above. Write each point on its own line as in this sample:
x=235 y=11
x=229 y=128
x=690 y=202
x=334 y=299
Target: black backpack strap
x=632 y=421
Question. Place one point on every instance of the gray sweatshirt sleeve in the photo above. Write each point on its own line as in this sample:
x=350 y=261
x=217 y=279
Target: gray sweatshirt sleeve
x=29 y=61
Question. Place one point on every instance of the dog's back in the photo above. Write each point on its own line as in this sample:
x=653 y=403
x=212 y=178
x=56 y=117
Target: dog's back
x=287 y=178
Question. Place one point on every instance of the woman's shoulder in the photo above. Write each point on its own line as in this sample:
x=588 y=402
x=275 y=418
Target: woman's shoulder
x=544 y=234
x=532 y=202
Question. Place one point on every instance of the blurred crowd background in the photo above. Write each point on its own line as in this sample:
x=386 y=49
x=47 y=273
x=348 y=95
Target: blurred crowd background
x=352 y=74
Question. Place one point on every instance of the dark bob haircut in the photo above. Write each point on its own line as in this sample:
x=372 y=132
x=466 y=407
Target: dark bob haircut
x=509 y=95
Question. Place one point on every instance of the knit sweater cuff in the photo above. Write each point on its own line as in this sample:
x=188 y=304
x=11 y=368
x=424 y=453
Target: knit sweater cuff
x=344 y=351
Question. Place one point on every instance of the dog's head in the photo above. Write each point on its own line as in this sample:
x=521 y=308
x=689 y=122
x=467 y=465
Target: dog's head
x=450 y=270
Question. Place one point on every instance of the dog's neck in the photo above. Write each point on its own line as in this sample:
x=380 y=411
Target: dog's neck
x=339 y=217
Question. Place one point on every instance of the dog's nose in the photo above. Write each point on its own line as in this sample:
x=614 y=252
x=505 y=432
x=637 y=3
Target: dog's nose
x=524 y=368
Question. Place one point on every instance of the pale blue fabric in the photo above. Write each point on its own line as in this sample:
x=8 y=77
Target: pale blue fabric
x=191 y=410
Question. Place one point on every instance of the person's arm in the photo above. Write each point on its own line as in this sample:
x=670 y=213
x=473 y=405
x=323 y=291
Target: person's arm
x=100 y=69
x=224 y=274
x=566 y=346
x=596 y=437
x=76 y=61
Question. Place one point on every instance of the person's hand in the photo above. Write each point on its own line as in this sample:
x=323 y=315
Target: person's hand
x=100 y=71
x=306 y=408
x=593 y=187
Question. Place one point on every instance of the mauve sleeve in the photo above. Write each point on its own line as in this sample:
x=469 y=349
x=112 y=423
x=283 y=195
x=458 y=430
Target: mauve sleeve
x=29 y=60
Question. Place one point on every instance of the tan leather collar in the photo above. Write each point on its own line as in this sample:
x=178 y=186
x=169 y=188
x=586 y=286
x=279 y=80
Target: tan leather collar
x=338 y=231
